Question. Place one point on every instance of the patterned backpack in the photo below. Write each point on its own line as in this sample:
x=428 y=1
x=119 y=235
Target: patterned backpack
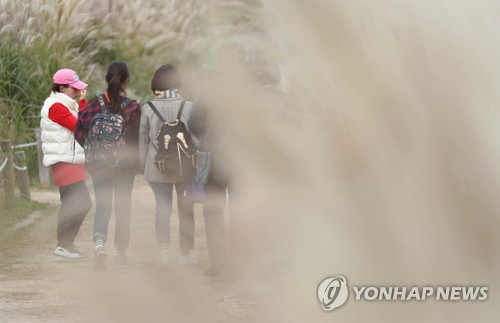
x=106 y=138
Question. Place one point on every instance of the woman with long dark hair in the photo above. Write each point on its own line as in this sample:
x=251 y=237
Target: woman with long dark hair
x=112 y=183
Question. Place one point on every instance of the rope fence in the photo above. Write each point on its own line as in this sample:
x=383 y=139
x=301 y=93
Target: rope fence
x=13 y=167
x=4 y=164
x=18 y=168
x=13 y=161
x=21 y=146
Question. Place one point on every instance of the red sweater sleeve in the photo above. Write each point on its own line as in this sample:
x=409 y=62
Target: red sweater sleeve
x=81 y=104
x=61 y=115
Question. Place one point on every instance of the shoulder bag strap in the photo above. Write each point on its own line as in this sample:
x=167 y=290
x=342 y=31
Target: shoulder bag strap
x=179 y=114
x=156 y=112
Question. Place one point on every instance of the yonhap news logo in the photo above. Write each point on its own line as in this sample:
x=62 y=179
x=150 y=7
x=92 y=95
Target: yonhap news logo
x=333 y=292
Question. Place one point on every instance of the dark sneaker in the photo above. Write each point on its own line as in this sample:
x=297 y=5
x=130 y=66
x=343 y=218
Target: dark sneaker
x=121 y=260
x=100 y=258
x=68 y=254
x=213 y=271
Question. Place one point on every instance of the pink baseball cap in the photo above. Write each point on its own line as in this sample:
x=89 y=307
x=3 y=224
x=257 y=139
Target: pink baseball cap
x=67 y=76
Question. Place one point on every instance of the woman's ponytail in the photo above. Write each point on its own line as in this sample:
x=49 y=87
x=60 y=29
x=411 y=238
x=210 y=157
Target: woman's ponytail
x=116 y=75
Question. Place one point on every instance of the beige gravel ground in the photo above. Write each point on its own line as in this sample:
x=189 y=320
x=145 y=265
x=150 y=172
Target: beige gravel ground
x=36 y=288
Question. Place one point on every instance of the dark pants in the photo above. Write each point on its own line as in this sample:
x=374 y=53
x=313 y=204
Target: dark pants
x=163 y=196
x=213 y=212
x=109 y=189
x=75 y=204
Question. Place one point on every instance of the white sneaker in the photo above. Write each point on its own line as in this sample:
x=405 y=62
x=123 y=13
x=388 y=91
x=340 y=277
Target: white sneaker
x=188 y=261
x=68 y=254
x=163 y=260
x=100 y=256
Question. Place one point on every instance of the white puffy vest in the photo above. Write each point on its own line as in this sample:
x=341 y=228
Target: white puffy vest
x=58 y=142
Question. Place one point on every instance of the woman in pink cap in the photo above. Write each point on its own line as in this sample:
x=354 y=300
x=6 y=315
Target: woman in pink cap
x=66 y=158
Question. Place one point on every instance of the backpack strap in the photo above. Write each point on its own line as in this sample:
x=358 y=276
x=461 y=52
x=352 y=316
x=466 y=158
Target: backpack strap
x=100 y=98
x=126 y=102
x=156 y=111
x=161 y=117
x=180 y=110
x=102 y=103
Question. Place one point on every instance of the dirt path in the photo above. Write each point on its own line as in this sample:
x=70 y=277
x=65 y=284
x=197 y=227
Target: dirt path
x=35 y=288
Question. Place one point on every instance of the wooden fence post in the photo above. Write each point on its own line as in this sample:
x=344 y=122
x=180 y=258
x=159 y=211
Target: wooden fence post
x=43 y=172
x=22 y=173
x=8 y=173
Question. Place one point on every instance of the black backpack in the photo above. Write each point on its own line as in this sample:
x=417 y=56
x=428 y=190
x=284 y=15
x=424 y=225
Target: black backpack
x=175 y=152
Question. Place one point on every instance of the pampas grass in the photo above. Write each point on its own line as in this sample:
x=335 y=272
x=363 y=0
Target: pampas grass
x=41 y=36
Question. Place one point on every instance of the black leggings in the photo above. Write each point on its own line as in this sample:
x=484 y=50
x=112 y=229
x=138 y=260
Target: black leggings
x=75 y=204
